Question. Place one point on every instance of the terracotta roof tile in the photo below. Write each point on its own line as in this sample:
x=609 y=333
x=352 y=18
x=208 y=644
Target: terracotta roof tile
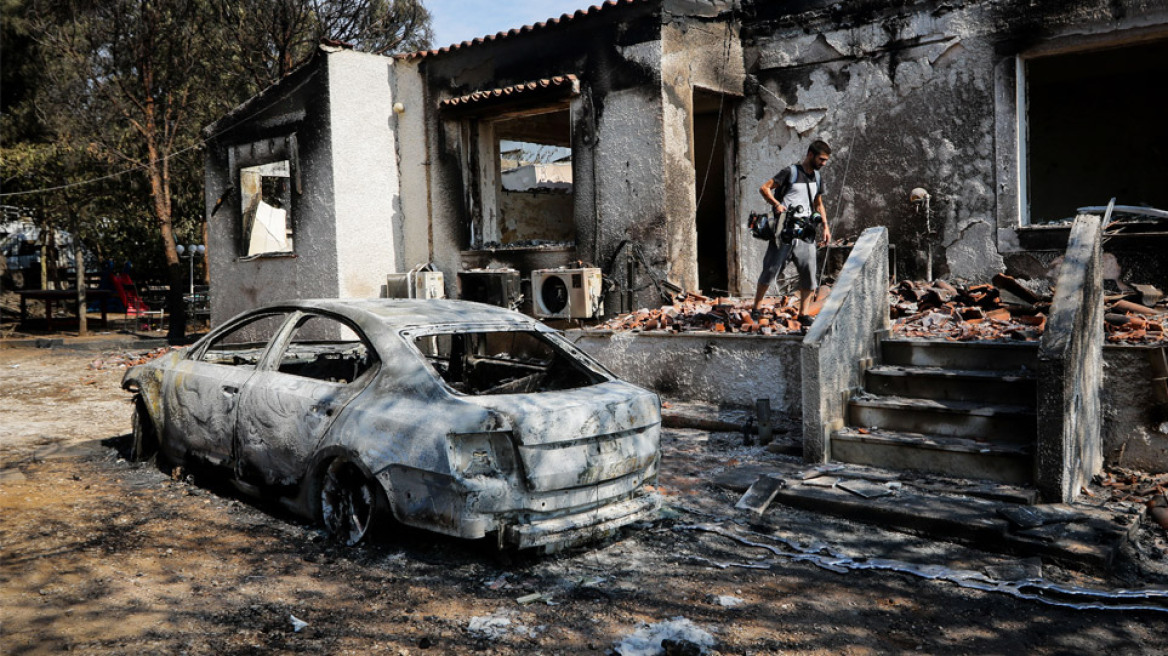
x=513 y=90
x=551 y=22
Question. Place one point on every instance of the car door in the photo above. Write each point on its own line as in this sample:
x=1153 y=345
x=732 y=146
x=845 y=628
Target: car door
x=287 y=407
x=205 y=386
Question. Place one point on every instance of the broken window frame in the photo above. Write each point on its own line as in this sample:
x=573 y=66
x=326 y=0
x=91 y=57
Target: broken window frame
x=327 y=349
x=260 y=154
x=566 y=359
x=472 y=118
x=258 y=344
x=1022 y=176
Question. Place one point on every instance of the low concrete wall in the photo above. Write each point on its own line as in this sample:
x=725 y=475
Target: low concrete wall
x=1070 y=370
x=843 y=337
x=1135 y=417
x=713 y=367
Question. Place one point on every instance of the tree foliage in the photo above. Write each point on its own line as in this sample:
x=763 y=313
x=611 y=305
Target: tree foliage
x=121 y=88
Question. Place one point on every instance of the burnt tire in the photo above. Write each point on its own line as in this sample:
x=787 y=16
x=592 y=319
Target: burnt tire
x=143 y=440
x=350 y=503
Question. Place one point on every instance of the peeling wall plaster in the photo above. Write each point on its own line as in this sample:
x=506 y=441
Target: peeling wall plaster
x=916 y=96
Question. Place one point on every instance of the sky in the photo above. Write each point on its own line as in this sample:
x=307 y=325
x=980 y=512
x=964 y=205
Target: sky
x=455 y=21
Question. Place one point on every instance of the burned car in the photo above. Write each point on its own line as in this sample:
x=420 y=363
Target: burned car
x=457 y=417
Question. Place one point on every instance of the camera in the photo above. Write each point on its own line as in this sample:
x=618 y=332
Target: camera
x=796 y=227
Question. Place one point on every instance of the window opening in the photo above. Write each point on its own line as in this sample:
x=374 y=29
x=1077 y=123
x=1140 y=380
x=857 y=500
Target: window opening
x=266 y=196
x=244 y=345
x=1095 y=130
x=323 y=348
x=534 y=201
x=504 y=362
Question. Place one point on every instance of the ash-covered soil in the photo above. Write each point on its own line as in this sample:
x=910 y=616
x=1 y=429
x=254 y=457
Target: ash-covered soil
x=101 y=556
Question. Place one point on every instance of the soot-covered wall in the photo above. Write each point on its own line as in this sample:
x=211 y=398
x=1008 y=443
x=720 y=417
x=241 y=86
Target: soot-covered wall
x=910 y=94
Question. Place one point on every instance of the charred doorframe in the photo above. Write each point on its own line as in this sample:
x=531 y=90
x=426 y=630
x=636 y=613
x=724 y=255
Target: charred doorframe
x=723 y=107
x=1012 y=122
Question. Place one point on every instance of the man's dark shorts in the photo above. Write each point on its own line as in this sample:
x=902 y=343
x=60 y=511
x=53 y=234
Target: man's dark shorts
x=803 y=255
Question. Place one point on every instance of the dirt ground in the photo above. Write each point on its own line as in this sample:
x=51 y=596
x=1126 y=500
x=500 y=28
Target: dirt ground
x=101 y=556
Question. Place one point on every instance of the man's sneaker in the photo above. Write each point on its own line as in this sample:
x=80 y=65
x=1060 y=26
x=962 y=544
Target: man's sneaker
x=756 y=314
x=806 y=320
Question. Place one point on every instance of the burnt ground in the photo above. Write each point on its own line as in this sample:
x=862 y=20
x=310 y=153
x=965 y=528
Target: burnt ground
x=101 y=556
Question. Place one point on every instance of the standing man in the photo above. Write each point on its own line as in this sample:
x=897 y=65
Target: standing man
x=800 y=189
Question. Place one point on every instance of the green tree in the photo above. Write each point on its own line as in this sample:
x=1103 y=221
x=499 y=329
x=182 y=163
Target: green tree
x=130 y=82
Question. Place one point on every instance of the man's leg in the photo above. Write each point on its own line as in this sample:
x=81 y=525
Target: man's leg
x=805 y=264
x=804 y=301
x=760 y=293
x=772 y=266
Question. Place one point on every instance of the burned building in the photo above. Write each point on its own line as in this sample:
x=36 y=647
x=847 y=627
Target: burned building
x=660 y=118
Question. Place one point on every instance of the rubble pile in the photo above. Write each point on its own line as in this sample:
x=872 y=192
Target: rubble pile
x=1137 y=317
x=1128 y=485
x=1005 y=309
x=127 y=360
x=1009 y=309
x=692 y=312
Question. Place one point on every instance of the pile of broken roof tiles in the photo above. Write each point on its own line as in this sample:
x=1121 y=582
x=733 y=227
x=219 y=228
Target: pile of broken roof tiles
x=1010 y=309
x=1137 y=487
x=692 y=312
x=1130 y=322
x=1006 y=309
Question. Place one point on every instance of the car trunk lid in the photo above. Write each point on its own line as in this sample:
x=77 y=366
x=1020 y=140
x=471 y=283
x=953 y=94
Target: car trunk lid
x=582 y=436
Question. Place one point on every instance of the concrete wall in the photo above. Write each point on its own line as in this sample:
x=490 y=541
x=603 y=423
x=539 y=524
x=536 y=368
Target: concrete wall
x=908 y=95
x=1070 y=370
x=298 y=106
x=536 y=214
x=1135 y=420
x=716 y=368
x=413 y=141
x=843 y=342
x=368 y=213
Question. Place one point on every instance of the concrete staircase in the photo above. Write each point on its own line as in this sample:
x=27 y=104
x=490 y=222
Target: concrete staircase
x=961 y=409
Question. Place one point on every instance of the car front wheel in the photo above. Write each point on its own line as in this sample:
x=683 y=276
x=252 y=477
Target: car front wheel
x=144 y=441
x=349 y=502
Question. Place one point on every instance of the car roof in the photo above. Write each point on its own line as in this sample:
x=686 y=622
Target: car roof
x=409 y=312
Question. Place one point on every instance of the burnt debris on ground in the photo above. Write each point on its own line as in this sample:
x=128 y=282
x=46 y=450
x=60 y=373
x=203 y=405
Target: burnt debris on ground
x=693 y=312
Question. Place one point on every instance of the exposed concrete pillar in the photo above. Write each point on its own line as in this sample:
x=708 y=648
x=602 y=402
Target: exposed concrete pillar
x=1069 y=449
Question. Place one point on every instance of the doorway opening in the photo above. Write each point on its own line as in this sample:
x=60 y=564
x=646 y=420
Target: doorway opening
x=711 y=118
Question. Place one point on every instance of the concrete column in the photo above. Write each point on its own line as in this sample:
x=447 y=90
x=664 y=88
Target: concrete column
x=1069 y=449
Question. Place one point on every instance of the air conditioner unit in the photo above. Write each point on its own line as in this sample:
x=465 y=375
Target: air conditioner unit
x=492 y=286
x=566 y=293
x=415 y=284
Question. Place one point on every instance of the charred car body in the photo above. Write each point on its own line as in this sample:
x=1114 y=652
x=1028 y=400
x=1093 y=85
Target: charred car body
x=457 y=417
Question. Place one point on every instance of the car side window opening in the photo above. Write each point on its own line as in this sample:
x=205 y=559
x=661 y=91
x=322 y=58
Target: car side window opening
x=244 y=345
x=503 y=362
x=324 y=348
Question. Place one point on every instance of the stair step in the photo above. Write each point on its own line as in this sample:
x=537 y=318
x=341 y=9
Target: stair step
x=937 y=454
x=983 y=385
x=960 y=355
x=999 y=421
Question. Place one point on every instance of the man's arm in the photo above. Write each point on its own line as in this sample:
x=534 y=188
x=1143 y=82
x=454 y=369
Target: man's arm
x=823 y=215
x=767 y=191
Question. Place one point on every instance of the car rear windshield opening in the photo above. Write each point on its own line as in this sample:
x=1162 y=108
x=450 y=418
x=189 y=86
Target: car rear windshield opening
x=504 y=362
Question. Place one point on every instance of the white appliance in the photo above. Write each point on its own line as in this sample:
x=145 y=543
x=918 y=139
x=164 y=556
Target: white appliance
x=415 y=284
x=566 y=293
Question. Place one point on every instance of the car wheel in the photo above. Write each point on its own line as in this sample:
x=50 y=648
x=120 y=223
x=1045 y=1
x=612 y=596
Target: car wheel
x=144 y=441
x=349 y=502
